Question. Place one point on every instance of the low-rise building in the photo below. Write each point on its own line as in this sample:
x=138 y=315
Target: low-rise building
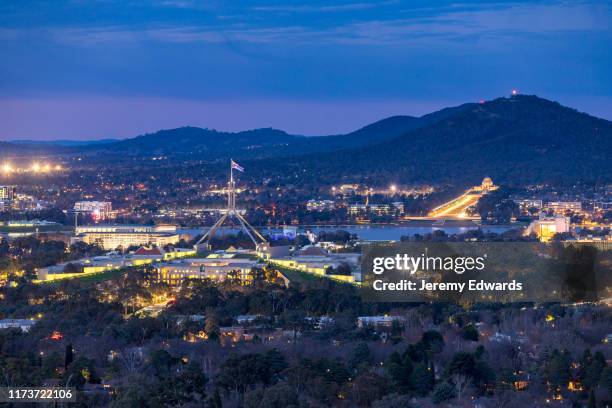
x=526 y=204
x=546 y=227
x=109 y=262
x=217 y=269
x=378 y=321
x=320 y=264
x=562 y=207
x=378 y=209
x=99 y=210
x=320 y=205
x=8 y=193
x=24 y=324
x=602 y=206
x=111 y=237
x=88 y=266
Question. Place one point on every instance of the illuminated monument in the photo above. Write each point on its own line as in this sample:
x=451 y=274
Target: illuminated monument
x=231 y=213
x=457 y=207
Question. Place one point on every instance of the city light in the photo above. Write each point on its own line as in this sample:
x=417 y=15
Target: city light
x=393 y=188
x=35 y=167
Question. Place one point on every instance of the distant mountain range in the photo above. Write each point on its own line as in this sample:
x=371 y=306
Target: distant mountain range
x=522 y=138
x=65 y=143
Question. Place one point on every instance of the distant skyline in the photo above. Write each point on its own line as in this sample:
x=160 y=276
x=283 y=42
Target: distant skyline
x=115 y=69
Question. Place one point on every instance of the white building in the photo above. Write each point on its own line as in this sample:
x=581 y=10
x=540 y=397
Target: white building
x=602 y=206
x=378 y=321
x=7 y=193
x=378 y=209
x=123 y=236
x=24 y=324
x=525 y=205
x=546 y=227
x=215 y=268
x=561 y=207
x=99 y=210
x=320 y=205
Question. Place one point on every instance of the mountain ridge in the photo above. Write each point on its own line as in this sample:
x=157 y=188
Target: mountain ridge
x=522 y=137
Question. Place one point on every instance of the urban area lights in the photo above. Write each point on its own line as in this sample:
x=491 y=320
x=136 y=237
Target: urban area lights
x=36 y=167
x=6 y=168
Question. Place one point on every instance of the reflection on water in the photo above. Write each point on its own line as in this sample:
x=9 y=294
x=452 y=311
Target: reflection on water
x=367 y=232
x=364 y=232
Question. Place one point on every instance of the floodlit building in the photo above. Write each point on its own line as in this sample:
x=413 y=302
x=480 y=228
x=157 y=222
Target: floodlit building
x=216 y=268
x=486 y=186
x=546 y=227
x=111 y=237
x=378 y=209
x=319 y=263
x=88 y=266
x=320 y=205
x=7 y=193
x=99 y=210
x=349 y=188
x=110 y=262
x=525 y=205
x=561 y=207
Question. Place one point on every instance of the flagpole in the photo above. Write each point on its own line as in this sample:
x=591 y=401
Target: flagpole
x=230 y=191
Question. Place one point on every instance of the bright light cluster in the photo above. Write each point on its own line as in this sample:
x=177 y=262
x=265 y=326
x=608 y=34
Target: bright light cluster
x=35 y=167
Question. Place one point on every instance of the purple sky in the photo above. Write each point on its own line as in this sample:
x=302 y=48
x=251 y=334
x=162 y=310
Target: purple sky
x=87 y=70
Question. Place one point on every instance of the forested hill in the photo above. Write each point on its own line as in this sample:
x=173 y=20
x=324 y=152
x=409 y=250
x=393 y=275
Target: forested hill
x=521 y=138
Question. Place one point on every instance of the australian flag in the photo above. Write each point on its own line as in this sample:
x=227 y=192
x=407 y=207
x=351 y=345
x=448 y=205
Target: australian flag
x=236 y=166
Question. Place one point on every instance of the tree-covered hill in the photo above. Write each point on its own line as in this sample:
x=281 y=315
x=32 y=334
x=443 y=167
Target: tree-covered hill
x=522 y=138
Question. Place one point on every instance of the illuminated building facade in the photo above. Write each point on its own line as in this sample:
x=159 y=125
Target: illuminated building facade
x=562 y=207
x=378 y=209
x=546 y=227
x=216 y=269
x=525 y=205
x=7 y=193
x=99 y=210
x=124 y=236
x=320 y=205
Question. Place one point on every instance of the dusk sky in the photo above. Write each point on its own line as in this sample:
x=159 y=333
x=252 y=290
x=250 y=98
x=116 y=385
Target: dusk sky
x=119 y=68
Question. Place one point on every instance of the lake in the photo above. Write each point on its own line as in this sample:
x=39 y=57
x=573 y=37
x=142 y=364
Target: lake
x=371 y=232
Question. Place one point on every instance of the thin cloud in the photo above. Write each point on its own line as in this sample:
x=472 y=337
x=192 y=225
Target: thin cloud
x=454 y=24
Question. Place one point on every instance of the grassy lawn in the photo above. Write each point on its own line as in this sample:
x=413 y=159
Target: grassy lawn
x=295 y=275
x=91 y=278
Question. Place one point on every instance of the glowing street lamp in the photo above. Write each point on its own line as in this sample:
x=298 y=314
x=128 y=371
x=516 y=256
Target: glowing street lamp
x=6 y=168
x=36 y=167
x=393 y=188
